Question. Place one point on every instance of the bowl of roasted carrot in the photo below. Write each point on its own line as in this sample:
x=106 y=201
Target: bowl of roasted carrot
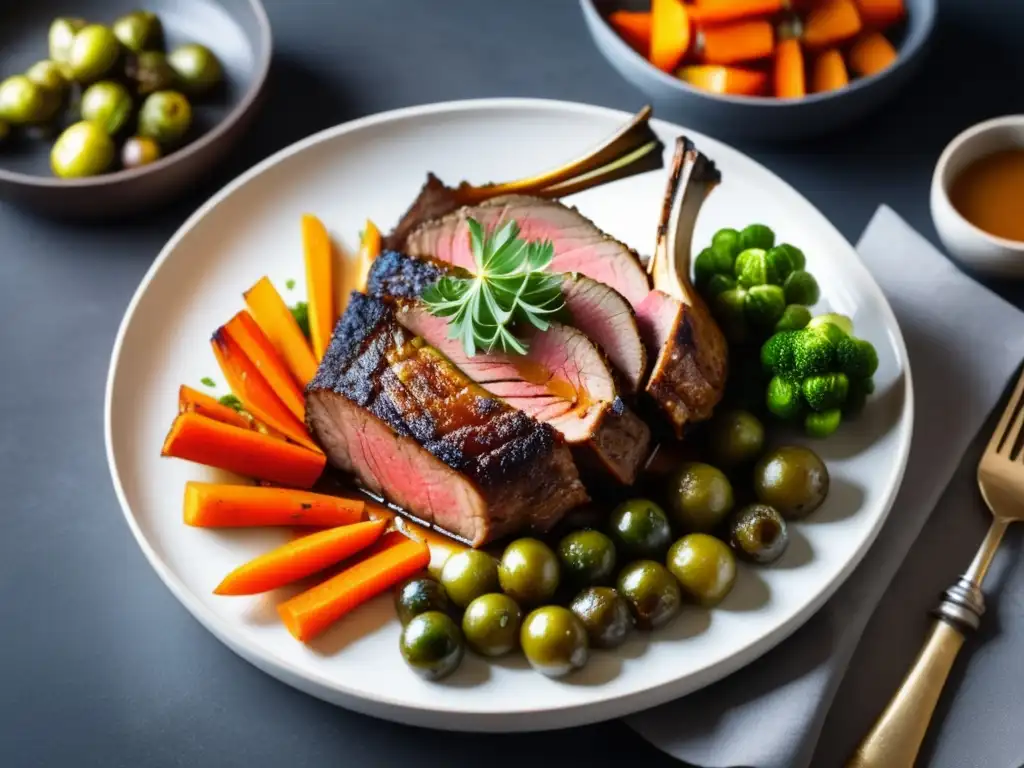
x=764 y=69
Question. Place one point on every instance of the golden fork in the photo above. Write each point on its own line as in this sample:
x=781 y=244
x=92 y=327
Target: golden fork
x=895 y=739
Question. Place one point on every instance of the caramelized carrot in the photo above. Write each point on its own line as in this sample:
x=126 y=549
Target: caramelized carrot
x=729 y=80
x=300 y=558
x=871 y=53
x=831 y=23
x=254 y=391
x=219 y=505
x=194 y=401
x=255 y=345
x=369 y=250
x=790 y=81
x=670 y=33
x=196 y=438
x=441 y=546
x=319 y=285
x=391 y=559
x=635 y=28
x=880 y=14
x=735 y=43
x=829 y=72
x=277 y=322
x=718 y=11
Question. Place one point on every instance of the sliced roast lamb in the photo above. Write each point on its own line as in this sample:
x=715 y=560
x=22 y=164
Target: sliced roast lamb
x=391 y=410
x=564 y=379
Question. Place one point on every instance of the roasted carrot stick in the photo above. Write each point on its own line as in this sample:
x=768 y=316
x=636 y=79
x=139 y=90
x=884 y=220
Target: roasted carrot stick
x=220 y=505
x=300 y=558
x=274 y=317
x=254 y=391
x=255 y=345
x=369 y=250
x=391 y=559
x=192 y=400
x=871 y=53
x=829 y=72
x=319 y=284
x=718 y=79
x=831 y=23
x=670 y=33
x=196 y=438
x=634 y=27
x=790 y=81
x=718 y=11
x=880 y=14
x=735 y=43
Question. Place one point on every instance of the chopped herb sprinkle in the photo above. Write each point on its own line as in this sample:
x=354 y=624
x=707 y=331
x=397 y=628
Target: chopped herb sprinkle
x=289 y=284
x=231 y=402
x=206 y=381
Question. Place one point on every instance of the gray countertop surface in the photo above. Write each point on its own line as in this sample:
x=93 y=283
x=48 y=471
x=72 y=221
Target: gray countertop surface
x=100 y=666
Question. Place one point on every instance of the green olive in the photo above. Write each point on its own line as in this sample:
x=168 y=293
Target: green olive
x=640 y=528
x=139 y=151
x=22 y=102
x=554 y=641
x=149 y=72
x=491 y=624
x=197 y=67
x=62 y=34
x=84 y=149
x=793 y=479
x=605 y=615
x=529 y=572
x=165 y=116
x=737 y=437
x=48 y=74
x=418 y=595
x=94 y=52
x=468 y=574
x=652 y=592
x=704 y=566
x=432 y=645
x=758 y=533
x=139 y=31
x=700 y=496
x=588 y=558
x=108 y=104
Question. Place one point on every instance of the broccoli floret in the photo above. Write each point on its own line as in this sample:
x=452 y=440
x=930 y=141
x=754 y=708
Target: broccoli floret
x=801 y=288
x=719 y=284
x=709 y=263
x=751 y=268
x=859 y=391
x=857 y=358
x=757 y=236
x=727 y=243
x=764 y=306
x=793 y=318
x=729 y=308
x=826 y=392
x=842 y=322
x=822 y=424
x=796 y=256
x=777 y=354
x=813 y=354
x=784 y=398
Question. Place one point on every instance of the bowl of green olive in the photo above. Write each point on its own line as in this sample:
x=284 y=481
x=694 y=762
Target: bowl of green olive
x=108 y=109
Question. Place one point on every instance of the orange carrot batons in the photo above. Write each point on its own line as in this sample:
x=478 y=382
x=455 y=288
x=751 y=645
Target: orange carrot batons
x=879 y=14
x=831 y=23
x=871 y=53
x=829 y=72
x=790 y=82
x=300 y=558
x=670 y=33
x=193 y=401
x=319 y=283
x=634 y=27
x=220 y=505
x=392 y=559
x=726 y=80
x=250 y=338
x=254 y=392
x=196 y=438
x=718 y=11
x=735 y=43
x=369 y=250
x=277 y=322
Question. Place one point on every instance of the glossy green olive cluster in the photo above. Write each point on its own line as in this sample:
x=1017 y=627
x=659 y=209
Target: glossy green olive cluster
x=637 y=568
x=103 y=86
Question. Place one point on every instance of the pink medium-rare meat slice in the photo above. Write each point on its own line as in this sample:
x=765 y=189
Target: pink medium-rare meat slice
x=579 y=245
x=396 y=413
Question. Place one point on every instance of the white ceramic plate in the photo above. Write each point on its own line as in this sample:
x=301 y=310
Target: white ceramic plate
x=372 y=168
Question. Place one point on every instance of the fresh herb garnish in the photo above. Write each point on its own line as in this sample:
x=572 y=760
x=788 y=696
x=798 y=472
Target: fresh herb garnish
x=289 y=284
x=231 y=402
x=301 y=314
x=206 y=381
x=510 y=287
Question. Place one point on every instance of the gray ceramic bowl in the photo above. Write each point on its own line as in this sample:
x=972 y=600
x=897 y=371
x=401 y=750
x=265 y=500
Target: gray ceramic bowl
x=761 y=118
x=236 y=30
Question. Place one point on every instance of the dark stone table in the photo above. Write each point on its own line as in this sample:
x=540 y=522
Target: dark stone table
x=99 y=664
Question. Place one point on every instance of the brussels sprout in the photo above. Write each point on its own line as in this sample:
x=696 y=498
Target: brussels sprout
x=705 y=267
x=757 y=236
x=857 y=358
x=729 y=308
x=795 y=255
x=801 y=288
x=795 y=317
x=751 y=268
x=764 y=306
x=859 y=391
x=62 y=34
x=719 y=284
x=827 y=391
x=822 y=423
x=779 y=263
x=726 y=242
x=784 y=398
